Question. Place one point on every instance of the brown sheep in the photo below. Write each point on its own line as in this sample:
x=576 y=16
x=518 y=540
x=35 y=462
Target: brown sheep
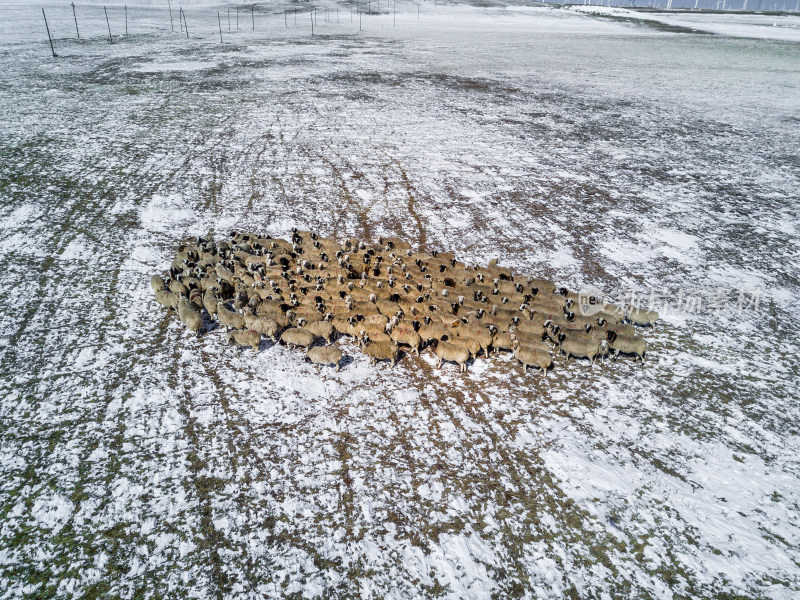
x=244 y=338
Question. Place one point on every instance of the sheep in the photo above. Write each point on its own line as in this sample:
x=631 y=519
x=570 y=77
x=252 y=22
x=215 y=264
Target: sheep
x=364 y=308
x=431 y=331
x=578 y=335
x=225 y=274
x=627 y=344
x=469 y=344
x=381 y=351
x=167 y=299
x=450 y=352
x=297 y=336
x=210 y=302
x=325 y=355
x=247 y=337
x=196 y=298
x=189 y=316
x=481 y=335
x=533 y=357
x=394 y=243
x=230 y=319
x=590 y=349
x=361 y=328
x=525 y=341
x=263 y=325
x=379 y=319
x=344 y=326
x=641 y=317
x=308 y=314
x=323 y=287
x=607 y=317
x=388 y=308
x=406 y=336
x=177 y=288
x=530 y=328
x=321 y=329
x=363 y=337
x=619 y=328
x=502 y=341
x=157 y=283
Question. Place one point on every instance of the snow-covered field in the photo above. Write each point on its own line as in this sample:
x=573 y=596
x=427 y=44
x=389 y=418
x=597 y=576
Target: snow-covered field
x=137 y=460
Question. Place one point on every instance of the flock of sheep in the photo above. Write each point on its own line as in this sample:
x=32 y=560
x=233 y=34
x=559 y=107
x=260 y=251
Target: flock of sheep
x=308 y=291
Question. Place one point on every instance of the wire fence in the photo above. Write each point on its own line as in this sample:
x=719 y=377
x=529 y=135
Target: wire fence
x=115 y=22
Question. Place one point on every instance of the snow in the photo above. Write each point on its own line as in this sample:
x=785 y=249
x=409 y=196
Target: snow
x=594 y=151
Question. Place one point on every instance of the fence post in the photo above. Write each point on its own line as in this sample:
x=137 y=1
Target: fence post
x=52 y=49
x=110 y=39
x=171 y=25
x=185 y=24
x=219 y=21
x=76 y=21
